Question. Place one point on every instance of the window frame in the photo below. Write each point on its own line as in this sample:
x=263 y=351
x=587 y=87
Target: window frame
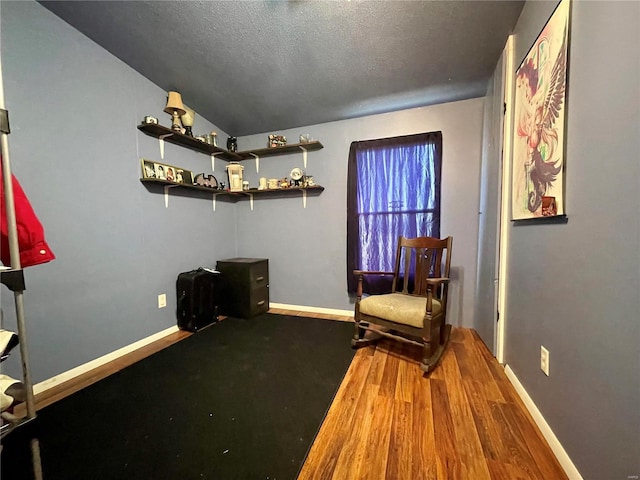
x=353 y=233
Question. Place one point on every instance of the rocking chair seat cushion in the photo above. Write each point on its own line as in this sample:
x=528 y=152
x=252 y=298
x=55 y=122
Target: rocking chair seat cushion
x=399 y=308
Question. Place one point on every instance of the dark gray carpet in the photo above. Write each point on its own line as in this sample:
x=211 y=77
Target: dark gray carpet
x=242 y=399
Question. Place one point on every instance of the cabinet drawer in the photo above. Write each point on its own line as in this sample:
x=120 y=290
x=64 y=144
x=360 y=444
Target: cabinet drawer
x=244 y=286
x=246 y=304
x=258 y=301
x=259 y=275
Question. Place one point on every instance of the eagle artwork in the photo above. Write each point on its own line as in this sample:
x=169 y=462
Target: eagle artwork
x=539 y=120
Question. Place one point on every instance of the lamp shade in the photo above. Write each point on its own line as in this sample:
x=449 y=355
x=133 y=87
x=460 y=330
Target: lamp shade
x=174 y=104
x=188 y=117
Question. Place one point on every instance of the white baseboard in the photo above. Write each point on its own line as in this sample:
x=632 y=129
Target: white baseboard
x=98 y=362
x=302 y=308
x=557 y=448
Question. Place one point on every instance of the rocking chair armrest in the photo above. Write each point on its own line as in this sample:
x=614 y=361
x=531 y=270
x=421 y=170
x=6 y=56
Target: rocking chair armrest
x=361 y=274
x=365 y=272
x=437 y=281
x=432 y=283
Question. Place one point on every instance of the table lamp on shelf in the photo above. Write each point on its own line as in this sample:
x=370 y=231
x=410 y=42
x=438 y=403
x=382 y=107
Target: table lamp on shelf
x=175 y=108
x=187 y=120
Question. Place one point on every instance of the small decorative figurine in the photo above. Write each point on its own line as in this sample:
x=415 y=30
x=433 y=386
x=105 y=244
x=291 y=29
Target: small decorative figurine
x=277 y=141
x=232 y=144
x=204 y=180
x=297 y=177
x=187 y=121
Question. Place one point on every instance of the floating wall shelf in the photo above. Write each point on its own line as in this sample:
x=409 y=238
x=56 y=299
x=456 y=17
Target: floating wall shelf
x=168 y=135
x=164 y=133
x=235 y=196
x=267 y=152
x=158 y=131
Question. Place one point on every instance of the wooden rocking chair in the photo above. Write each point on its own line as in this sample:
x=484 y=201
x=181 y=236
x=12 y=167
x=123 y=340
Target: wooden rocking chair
x=416 y=308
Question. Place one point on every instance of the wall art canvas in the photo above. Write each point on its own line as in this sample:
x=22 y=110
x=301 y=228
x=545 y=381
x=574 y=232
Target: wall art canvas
x=539 y=128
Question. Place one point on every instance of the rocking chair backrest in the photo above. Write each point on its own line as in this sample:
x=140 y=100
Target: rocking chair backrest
x=427 y=257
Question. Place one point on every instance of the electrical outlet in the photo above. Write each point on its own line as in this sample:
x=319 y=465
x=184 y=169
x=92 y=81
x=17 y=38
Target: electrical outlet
x=544 y=360
x=162 y=300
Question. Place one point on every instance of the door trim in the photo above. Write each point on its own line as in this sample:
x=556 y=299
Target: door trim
x=505 y=181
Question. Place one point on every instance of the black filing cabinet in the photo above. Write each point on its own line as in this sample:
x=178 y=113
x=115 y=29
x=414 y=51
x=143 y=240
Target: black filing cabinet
x=244 y=286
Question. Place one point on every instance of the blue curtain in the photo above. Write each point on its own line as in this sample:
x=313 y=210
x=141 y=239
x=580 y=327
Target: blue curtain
x=394 y=189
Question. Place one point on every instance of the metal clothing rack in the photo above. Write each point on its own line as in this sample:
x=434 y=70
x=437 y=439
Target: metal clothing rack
x=13 y=278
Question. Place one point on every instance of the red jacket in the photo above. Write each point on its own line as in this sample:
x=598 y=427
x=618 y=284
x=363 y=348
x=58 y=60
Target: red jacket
x=31 y=242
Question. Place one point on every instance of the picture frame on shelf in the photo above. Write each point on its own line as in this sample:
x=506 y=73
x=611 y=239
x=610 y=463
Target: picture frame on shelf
x=163 y=171
x=148 y=168
x=184 y=176
x=160 y=171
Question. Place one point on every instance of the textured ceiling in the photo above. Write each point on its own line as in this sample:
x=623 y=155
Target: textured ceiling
x=254 y=67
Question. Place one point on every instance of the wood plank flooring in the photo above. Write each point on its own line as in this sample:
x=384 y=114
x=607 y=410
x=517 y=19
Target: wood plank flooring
x=465 y=421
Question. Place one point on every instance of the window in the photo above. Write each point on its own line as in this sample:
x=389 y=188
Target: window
x=393 y=189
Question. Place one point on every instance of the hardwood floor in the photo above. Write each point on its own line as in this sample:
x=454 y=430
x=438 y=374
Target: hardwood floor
x=465 y=421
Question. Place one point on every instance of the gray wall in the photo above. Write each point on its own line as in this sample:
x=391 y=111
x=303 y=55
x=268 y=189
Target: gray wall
x=575 y=288
x=307 y=248
x=75 y=149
